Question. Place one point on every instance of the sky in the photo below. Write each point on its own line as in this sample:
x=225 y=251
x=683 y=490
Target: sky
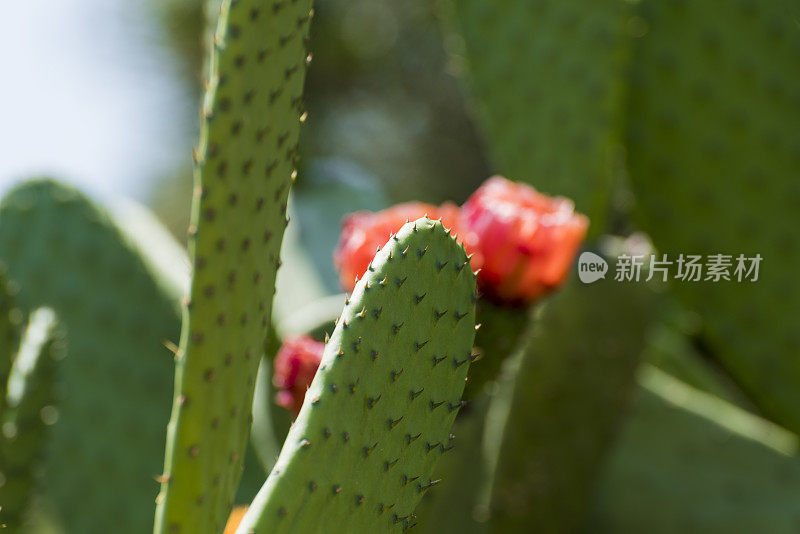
x=89 y=97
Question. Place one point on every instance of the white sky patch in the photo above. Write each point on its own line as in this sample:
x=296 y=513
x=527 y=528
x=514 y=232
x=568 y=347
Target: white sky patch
x=88 y=97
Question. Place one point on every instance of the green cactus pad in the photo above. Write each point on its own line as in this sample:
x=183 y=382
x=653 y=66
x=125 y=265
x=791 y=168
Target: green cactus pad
x=114 y=385
x=377 y=416
x=23 y=422
x=571 y=383
x=244 y=168
x=714 y=157
x=690 y=462
x=547 y=77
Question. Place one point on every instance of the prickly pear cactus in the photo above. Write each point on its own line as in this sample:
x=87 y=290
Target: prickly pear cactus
x=244 y=168
x=113 y=385
x=713 y=155
x=547 y=77
x=690 y=462
x=563 y=401
x=23 y=420
x=377 y=416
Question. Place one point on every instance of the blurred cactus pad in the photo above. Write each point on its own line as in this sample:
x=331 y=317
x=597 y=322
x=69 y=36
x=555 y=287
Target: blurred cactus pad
x=136 y=373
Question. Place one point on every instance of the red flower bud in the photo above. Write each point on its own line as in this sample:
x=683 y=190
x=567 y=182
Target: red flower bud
x=523 y=240
x=294 y=368
x=364 y=231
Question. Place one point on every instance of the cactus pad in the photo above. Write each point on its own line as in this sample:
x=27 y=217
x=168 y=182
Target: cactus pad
x=547 y=77
x=113 y=386
x=714 y=154
x=243 y=172
x=574 y=378
x=377 y=416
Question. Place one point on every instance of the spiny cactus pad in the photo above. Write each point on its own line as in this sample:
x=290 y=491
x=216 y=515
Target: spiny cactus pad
x=114 y=385
x=548 y=86
x=714 y=154
x=244 y=166
x=377 y=416
x=690 y=462
x=23 y=427
x=567 y=397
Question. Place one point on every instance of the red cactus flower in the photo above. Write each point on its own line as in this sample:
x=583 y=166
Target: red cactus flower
x=364 y=231
x=524 y=241
x=294 y=368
